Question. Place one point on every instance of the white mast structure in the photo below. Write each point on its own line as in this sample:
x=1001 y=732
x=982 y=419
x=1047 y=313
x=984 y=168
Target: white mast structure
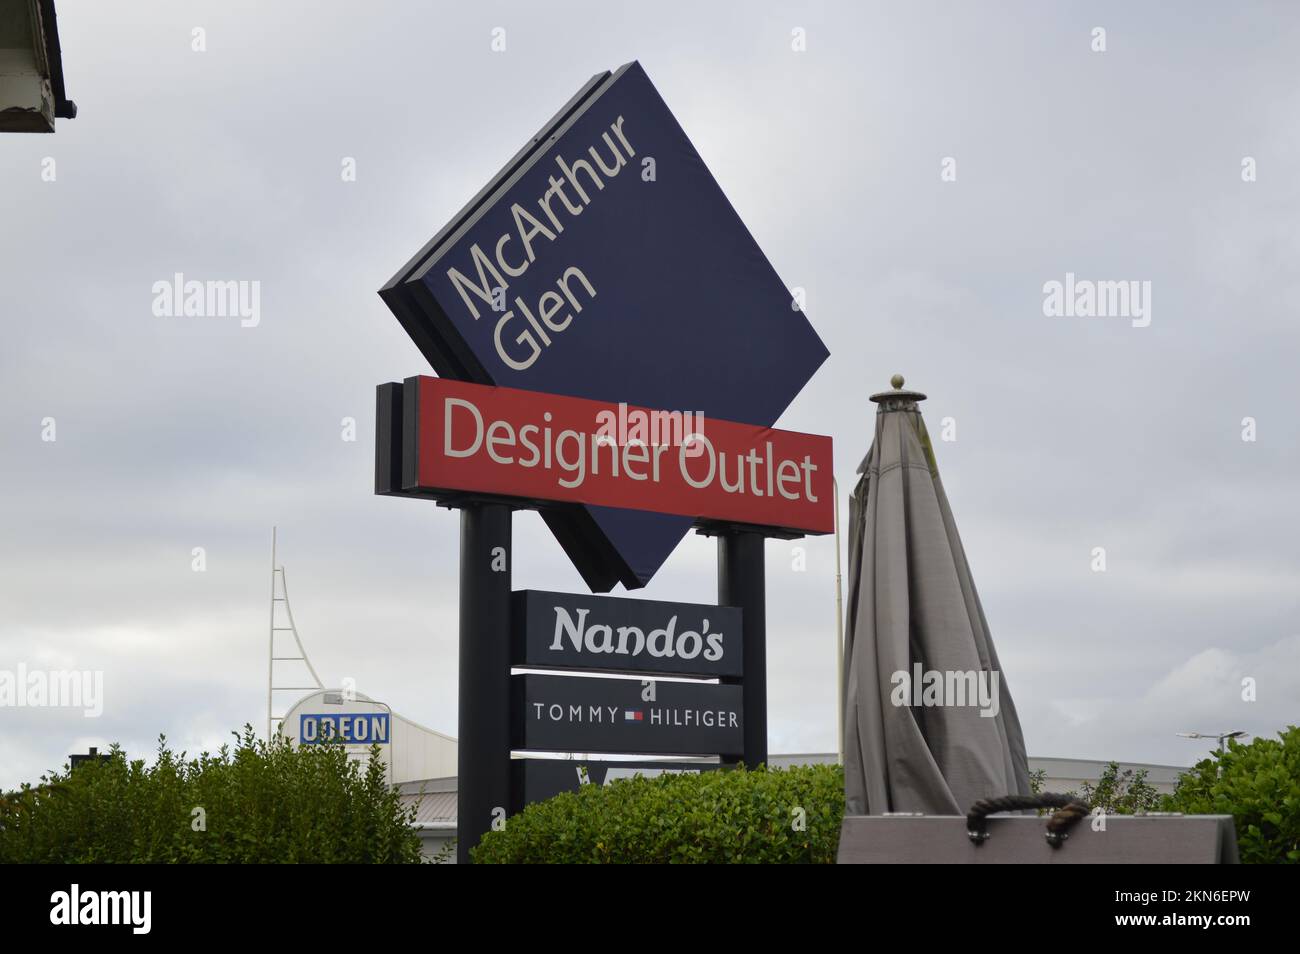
x=272 y=658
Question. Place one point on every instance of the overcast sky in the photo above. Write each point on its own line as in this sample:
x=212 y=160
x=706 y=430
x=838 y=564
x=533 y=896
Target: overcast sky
x=1071 y=433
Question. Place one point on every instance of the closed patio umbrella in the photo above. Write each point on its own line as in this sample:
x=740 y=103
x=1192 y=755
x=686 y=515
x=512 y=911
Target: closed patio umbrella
x=929 y=722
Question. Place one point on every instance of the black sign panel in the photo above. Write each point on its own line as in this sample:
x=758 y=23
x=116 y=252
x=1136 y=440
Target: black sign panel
x=573 y=714
x=535 y=780
x=575 y=631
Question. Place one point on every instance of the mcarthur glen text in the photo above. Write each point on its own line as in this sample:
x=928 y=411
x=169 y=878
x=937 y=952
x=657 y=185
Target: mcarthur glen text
x=494 y=272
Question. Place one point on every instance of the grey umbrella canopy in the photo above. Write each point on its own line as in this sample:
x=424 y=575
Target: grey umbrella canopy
x=929 y=722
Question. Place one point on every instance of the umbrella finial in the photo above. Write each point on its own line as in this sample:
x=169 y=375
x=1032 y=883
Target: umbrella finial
x=898 y=399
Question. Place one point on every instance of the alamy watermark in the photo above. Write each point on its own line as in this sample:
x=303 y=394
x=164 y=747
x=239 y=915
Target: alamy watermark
x=637 y=426
x=181 y=298
x=1085 y=298
x=941 y=688
x=131 y=909
x=53 y=689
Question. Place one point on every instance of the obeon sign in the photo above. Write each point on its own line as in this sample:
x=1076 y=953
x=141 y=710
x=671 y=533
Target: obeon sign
x=349 y=728
x=502 y=441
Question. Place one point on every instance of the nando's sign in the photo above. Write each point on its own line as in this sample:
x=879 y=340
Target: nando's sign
x=466 y=438
x=604 y=262
x=573 y=631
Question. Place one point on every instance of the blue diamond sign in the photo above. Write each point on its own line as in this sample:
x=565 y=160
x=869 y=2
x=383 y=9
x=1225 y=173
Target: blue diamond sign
x=605 y=262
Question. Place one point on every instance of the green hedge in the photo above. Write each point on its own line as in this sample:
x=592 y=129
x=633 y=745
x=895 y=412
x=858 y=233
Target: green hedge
x=1259 y=785
x=771 y=816
x=259 y=803
x=278 y=803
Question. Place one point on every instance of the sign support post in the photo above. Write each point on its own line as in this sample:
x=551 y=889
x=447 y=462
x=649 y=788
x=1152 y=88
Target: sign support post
x=741 y=582
x=483 y=721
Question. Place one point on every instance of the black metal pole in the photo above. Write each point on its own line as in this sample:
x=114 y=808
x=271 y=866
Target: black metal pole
x=483 y=756
x=741 y=583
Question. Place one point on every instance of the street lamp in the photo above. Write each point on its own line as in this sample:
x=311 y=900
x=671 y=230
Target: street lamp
x=1220 y=736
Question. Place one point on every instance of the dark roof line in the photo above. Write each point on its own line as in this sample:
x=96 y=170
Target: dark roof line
x=64 y=108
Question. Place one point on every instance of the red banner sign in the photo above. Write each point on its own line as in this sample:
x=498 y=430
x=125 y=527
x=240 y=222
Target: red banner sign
x=513 y=443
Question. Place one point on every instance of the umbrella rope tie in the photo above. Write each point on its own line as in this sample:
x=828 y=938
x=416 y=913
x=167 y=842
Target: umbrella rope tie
x=1069 y=810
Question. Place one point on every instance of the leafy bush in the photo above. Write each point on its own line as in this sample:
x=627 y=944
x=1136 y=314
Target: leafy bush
x=1259 y=786
x=256 y=803
x=767 y=815
x=1115 y=792
x=1121 y=793
x=1037 y=779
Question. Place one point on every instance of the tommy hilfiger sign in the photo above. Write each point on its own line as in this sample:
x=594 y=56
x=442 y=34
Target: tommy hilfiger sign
x=573 y=631
x=573 y=714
